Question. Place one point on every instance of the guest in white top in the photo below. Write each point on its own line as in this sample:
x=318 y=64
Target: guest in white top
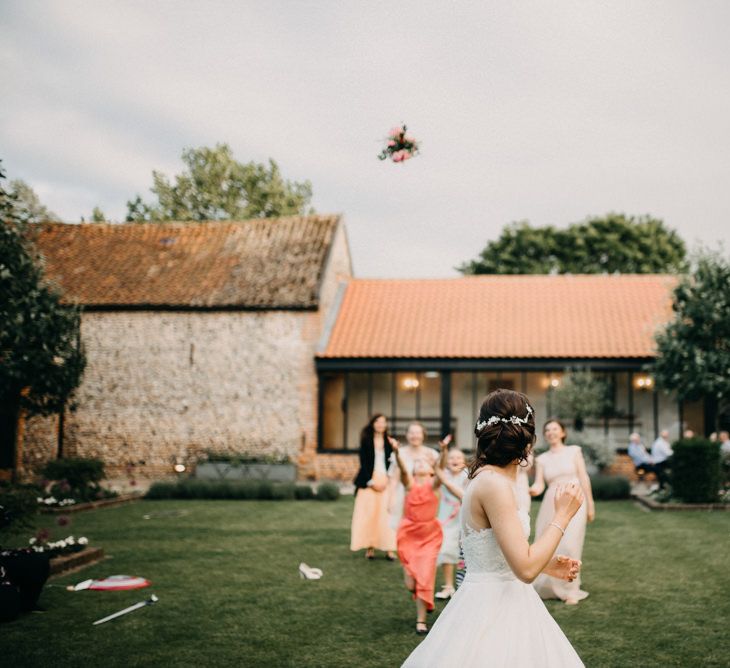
x=661 y=451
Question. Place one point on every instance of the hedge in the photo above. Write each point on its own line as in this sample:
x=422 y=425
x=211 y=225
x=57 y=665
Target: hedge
x=695 y=470
x=608 y=488
x=241 y=490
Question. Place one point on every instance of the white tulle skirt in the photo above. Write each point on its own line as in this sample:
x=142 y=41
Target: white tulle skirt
x=496 y=623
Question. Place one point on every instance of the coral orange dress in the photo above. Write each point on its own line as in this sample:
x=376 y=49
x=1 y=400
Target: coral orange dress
x=419 y=539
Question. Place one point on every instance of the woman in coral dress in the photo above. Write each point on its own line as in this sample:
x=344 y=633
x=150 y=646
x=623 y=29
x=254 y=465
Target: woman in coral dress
x=371 y=528
x=419 y=534
x=560 y=465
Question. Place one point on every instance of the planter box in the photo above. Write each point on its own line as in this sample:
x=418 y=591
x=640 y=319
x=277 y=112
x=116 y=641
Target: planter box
x=226 y=471
x=73 y=562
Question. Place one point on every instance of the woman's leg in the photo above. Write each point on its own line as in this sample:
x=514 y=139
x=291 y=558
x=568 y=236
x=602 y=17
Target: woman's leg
x=409 y=581
x=420 y=611
x=448 y=576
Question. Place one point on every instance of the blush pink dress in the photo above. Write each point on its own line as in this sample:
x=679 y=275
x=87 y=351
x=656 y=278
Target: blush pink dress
x=559 y=468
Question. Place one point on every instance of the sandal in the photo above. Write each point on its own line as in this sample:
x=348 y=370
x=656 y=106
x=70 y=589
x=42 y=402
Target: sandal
x=421 y=628
x=445 y=594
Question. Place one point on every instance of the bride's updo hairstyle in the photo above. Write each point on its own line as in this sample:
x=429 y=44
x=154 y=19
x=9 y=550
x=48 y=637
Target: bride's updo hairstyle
x=505 y=430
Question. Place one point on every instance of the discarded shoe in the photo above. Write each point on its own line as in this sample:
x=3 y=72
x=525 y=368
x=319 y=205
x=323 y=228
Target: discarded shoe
x=309 y=573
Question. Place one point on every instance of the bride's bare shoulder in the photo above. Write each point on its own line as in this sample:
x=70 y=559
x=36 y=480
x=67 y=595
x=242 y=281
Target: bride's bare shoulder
x=489 y=483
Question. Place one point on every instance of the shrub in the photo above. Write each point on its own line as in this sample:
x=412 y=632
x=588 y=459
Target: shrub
x=18 y=507
x=303 y=492
x=695 y=470
x=239 y=490
x=328 y=491
x=78 y=472
x=606 y=488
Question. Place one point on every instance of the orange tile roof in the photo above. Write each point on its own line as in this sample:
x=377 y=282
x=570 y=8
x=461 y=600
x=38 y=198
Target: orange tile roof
x=266 y=263
x=502 y=317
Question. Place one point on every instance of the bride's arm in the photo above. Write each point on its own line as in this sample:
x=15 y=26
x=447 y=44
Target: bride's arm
x=526 y=561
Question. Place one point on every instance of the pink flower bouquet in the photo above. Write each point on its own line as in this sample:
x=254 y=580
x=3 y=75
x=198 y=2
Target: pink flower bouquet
x=399 y=146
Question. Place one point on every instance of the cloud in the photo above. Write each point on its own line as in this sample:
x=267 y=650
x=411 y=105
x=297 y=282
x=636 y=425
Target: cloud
x=544 y=111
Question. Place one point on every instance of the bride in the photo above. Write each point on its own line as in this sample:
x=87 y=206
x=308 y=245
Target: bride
x=496 y=618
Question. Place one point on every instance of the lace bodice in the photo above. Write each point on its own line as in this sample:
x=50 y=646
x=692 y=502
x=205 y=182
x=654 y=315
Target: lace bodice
x=482 y=553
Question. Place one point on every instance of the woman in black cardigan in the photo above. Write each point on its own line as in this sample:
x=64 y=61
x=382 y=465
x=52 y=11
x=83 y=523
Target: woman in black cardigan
x=370 y=527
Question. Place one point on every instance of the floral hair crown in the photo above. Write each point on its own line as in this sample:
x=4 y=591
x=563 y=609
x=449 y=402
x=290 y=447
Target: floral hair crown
x=512 y=418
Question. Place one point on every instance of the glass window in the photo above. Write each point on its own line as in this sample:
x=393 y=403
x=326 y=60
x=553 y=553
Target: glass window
x=357 y=407
x=382 y=396
x=429 y=394
x=464 y=408
x=406 y=390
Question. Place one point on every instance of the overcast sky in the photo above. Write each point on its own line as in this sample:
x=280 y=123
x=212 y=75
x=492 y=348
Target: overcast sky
x=544 y=111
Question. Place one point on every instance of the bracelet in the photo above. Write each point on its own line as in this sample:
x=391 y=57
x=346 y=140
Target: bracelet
x=557 y=526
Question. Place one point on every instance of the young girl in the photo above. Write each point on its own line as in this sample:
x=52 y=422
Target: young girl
x=496 y=618
x=451 y=469
x=419 y=534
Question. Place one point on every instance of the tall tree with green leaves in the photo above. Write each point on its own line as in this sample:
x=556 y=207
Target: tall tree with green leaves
x=41 y=357
x=693 y=350
x=28 y=205
x=215 y=186
x=612 y=244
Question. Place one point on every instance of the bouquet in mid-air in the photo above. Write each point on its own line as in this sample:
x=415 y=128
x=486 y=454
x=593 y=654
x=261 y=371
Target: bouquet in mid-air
x=399 y=146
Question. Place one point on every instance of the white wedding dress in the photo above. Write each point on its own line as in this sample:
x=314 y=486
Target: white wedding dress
x=494 y=619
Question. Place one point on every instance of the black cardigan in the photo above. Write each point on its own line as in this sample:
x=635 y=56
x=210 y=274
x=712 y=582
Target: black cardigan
x=367 y=461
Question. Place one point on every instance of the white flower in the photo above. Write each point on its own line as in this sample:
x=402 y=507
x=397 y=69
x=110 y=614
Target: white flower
x=40 y=499
x=83 y=540
x=33 y=541
x=70 y=540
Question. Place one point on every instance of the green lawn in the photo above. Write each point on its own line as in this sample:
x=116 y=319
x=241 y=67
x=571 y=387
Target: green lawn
x=230 y=595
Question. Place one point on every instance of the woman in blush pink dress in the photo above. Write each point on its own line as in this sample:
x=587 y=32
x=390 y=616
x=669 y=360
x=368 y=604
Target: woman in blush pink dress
x=560 y=465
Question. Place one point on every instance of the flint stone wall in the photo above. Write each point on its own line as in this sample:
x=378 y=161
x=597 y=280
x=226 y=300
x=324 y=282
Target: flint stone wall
x=165 y=385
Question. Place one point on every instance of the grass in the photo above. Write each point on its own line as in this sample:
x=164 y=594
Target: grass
x=230 y=595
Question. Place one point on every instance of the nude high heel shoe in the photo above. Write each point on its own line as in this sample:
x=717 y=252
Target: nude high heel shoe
x=309 y=573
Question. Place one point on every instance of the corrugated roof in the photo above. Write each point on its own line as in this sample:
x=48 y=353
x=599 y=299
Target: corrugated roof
x=264 y=263
x=502 y=317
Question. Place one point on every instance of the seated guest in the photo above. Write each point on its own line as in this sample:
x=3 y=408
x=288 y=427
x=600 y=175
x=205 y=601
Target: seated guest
x=724 y=438
x=639 y=455
x=661 y=451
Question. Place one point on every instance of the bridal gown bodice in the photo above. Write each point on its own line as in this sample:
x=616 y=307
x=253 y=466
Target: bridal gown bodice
x=482 y=553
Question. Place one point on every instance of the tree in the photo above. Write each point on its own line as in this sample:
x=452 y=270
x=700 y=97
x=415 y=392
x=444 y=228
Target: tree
x=217 y=187
x=41 y=357
x=581 y=395
x=97 y=216
x=29 y=208
x=612 y=244
x=693 y=350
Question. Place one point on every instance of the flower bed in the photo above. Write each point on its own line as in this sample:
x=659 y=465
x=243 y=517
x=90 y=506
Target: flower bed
x=118 y=500
x=241 y=490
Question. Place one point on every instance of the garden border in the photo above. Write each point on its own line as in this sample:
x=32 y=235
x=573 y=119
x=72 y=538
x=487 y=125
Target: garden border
x=655 y=505
x=68 y=563
x=91 y=505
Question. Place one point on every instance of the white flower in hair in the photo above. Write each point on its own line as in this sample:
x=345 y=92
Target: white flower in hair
x=512 y=418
